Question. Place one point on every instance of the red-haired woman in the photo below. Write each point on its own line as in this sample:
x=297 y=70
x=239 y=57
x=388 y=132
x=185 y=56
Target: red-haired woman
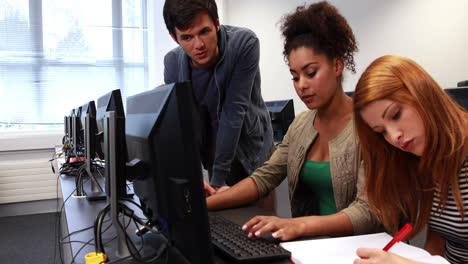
x=414 y=140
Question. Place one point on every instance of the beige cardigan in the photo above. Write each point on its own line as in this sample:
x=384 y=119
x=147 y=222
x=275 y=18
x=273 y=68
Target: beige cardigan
x=289 y=157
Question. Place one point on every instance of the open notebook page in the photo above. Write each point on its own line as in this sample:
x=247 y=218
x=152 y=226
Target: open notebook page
x=343 y=249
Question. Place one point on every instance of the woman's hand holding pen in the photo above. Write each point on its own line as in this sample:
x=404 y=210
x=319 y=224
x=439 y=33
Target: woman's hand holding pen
x=281 y=228
x=377 y=256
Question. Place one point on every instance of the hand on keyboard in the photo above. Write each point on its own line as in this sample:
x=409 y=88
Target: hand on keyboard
x=228 y=237
x=281 y=228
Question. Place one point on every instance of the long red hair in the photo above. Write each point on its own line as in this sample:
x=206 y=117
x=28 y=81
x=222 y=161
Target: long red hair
x=400 y=184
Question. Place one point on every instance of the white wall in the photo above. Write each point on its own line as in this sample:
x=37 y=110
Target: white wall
x=159 y=43
x=432 y=32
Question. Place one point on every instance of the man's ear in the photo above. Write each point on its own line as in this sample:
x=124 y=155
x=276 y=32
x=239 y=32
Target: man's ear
x=338 y=66
x=217 y=24
x=174 y=38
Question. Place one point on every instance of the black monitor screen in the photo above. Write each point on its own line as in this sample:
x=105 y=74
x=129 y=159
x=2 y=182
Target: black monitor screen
x=77 y=135
x=78 y=112
x=162 y=131
x=88 y=121
x=282 y=115
x=460 y=95
x=88 y=108
x=111 y=101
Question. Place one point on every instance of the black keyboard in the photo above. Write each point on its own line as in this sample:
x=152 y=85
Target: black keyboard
x=229 y=238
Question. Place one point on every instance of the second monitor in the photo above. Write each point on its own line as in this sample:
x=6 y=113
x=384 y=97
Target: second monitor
x=162 y=132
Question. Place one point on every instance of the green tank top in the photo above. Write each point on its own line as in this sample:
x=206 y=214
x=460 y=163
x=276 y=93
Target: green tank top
x=316 y=177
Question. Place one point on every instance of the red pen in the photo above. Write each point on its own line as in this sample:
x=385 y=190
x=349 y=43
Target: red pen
x=404 y=231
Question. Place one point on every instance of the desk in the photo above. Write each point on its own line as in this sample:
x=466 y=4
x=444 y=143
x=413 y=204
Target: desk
x=79 y=213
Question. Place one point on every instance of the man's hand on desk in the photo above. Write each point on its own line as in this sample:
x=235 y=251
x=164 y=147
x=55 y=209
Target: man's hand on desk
x=281 y=228
x=222 y=189
x=209 y=190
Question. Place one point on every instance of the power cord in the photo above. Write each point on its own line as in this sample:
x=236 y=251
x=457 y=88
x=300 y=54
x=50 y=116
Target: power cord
x=58 y=227
x=83 y=174
x=87 y=243
x=123 y=209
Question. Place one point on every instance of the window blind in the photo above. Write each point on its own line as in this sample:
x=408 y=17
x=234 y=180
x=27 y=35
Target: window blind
x=56 y=55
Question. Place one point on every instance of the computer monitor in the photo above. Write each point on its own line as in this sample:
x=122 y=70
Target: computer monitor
x=115 y=151
x=111 y=101
x=282 y=115
x=90 y=148
x=163 y=137
x=67 y=128
x=460 y=95
x=88 y=122
x=78 y=111
x=88 y=108
x=76 y=133
x=111 y=137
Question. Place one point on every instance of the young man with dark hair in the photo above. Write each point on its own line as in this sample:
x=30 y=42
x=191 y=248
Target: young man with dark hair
x=222 y=63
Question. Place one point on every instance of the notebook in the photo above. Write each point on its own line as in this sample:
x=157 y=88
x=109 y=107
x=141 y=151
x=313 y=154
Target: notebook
x=343 y=249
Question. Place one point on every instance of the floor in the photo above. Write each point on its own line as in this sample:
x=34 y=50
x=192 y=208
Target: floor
x=28 y=239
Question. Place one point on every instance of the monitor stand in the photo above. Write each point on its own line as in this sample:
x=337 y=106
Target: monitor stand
x=96 y=193
x=115 y=205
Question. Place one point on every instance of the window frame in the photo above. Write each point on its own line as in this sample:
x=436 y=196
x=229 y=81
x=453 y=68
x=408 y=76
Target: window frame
x=39 y=62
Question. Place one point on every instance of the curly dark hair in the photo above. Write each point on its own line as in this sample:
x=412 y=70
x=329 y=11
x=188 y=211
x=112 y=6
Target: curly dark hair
x=321 y=27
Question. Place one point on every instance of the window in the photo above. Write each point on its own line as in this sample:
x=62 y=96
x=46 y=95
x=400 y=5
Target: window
x=56 y=55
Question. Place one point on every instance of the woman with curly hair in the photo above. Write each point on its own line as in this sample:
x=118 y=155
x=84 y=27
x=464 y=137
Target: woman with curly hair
x=319 y=154
x=415 y=146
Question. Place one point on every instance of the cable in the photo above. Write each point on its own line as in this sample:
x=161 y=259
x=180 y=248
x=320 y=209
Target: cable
x=88 y=243
x=122 y=208
x=82 y=174
x=78 y=182
x=57 y=220
x=70 y=169
x=79 y=231
x=59 y=229
x=55 y=156
x=81 y=248
x=76 y=241
x=97 y=229
x=84 y=229
x=161 y=250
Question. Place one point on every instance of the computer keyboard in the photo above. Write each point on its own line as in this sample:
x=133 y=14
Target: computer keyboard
x=229 y=238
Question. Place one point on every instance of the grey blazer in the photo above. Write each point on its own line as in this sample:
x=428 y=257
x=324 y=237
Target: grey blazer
x=345 y=166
